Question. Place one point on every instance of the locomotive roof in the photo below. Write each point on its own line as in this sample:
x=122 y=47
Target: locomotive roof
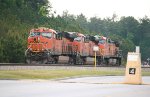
x=42 y=29
x=72 y=32
x=101 y=37
x=80 y=34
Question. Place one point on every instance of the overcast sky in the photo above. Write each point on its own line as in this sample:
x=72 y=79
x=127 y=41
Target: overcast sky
x=103 y=8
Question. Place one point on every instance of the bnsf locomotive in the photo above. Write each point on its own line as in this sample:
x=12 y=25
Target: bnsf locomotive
x=46 y=45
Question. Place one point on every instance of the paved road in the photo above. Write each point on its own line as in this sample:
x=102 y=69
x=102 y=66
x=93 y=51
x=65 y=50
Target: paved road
x=75 y=87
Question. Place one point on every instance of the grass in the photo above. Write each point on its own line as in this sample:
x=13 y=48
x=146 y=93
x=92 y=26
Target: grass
x=53 y=74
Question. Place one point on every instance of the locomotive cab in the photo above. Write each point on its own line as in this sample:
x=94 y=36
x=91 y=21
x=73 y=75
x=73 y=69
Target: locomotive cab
x=109 y=51
x=82 y=43
x=82 y=49
x=38 y=40
x=40 y=45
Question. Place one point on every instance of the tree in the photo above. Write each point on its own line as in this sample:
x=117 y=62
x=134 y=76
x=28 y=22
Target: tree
x=128 y=25
x=82 y=21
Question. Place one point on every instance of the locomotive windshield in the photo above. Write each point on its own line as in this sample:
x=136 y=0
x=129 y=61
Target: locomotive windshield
x=32 y=34
x=47 y=35
x=102 y=41
x=44 y=34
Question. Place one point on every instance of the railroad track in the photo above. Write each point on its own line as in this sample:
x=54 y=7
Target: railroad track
x=63 y=61
x=59 y=64
x=62 y=66
x=90 y=64
x=57 y=67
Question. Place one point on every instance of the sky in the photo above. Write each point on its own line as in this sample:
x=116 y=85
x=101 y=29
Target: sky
x=103 y=8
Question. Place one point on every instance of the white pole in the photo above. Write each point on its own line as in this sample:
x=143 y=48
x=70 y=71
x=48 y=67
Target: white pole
x=137 y=49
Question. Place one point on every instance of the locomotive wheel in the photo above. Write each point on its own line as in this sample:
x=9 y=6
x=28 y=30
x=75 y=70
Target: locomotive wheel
x=80 y=60
x=118 y=63
x=106 y=61
x=77 y=60
x=35 y=58
x=43 y=61
x=55 y=59
x=99 y=61
x=71 y=61
x=50 y=59
x=28 y=60
x=84 y=60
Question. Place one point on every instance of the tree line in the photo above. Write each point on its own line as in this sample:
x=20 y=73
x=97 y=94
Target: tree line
x=19 y=16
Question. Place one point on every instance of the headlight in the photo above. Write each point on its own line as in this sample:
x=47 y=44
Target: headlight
x=38 y=39
x=30 y=49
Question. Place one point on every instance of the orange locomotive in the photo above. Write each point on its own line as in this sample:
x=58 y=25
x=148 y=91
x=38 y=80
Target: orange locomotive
x=108 y=53
x=46 y=45
x=41 y=46
x=81 y=49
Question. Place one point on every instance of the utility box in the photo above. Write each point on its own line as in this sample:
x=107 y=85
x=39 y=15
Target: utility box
x=133 y=69
x=95 y=48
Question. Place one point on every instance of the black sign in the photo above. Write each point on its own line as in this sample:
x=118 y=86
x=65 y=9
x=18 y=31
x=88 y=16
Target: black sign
x=132 y=70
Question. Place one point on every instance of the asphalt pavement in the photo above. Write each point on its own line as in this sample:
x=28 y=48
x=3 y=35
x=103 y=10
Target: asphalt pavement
x=98 y=86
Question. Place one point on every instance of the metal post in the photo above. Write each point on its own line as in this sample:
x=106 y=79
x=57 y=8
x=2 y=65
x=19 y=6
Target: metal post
x=95 y=58
x=148 y=60
x=95 y=49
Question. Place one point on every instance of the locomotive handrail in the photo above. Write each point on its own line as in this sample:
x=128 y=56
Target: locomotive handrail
x=120 y=52
x=27 y=50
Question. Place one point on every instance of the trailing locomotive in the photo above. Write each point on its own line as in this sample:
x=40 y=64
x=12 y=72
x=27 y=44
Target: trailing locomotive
x=108 y=53
x=46 y=45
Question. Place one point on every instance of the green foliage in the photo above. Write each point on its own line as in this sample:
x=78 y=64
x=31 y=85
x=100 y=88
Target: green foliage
x=145 y=48
x=61 y=73
x=128 y=24
x=1 y=50
x=54 y=74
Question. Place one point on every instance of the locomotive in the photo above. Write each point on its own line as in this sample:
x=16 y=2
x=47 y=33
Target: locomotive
x=46 y=45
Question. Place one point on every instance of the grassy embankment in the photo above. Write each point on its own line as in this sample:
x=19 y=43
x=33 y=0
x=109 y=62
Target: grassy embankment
x=53 y=74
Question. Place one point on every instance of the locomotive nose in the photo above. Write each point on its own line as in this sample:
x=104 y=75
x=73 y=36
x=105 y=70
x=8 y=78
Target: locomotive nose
x=36 y=45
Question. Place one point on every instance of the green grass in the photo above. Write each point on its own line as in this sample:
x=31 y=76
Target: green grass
x=53 y=74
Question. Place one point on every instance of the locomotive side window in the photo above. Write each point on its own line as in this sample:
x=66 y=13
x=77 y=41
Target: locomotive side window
x=59 y=36
x=32 y=34
x=54 y=35
x=83 y=39
x=102 y=41
x=78 y=39
x=46 y=34
x=86 y=39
